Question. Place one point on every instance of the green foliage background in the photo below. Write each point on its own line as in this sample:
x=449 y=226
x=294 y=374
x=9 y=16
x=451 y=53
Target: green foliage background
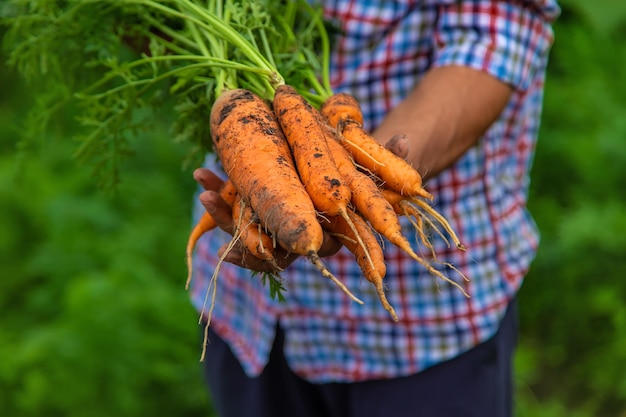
x=572 y=360
x=96 y=321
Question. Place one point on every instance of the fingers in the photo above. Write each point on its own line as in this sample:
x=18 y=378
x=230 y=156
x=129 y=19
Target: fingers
x=219 y=209
x=221 y=212
x=330 y=246
x=399 y=145
x=207 y=179
x=237 y=256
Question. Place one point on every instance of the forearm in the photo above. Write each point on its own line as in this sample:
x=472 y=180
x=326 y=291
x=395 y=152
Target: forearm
x=445 y=115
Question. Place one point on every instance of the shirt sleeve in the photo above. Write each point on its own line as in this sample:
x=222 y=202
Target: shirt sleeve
x=508 y=39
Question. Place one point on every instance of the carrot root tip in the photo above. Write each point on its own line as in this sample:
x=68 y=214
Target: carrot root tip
x=380 y=290
x=317 y=262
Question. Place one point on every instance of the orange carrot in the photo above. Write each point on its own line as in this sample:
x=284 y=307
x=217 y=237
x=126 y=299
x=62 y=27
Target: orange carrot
x=402 y=207
x=411 y=207
x=228 y=192
x=417 y=218
x=315 y=163
x=370 y=202
x=306 y=133
x=366 y=196
x=342 y=106
x=257 y=159
x=374 y=271
x=397 y=173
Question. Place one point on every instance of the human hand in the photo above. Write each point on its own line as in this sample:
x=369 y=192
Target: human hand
x=399 y=145
x=221 y=212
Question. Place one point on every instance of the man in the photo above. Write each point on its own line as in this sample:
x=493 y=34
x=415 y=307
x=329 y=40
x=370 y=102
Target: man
x=463 y=80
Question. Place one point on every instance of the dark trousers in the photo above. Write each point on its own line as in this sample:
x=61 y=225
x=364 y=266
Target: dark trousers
x=477 y=383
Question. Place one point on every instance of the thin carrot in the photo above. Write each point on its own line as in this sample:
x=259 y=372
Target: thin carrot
x=411 y=207
x=228 y=192
x=374 y=271
x=417 y=218
x=370 y=202
x=378 y=211
x=206 y=223
x=403 y=207
x=397 y=173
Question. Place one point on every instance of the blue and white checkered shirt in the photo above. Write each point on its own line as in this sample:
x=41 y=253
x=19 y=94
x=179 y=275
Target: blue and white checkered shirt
x=383 y=50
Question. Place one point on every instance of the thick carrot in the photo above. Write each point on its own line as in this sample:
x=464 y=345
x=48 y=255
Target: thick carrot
x=257 y=159
x=374 y=270
x=206 y=223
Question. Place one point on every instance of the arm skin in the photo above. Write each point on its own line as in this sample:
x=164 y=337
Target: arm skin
x=445 y=115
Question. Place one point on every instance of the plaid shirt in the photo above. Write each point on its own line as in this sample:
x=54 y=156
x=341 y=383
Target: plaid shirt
x=383 y=50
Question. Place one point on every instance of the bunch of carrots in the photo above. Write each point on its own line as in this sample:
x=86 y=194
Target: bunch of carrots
x=295 y=171
x=252 y=76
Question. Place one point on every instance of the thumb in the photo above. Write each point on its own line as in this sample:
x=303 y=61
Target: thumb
x=399 y=145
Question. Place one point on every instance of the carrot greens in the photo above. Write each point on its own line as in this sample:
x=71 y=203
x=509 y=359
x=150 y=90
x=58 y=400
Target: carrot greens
x=115 y=62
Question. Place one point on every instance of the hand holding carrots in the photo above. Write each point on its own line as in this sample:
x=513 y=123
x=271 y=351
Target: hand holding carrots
x=221 y=212
x=305 y=182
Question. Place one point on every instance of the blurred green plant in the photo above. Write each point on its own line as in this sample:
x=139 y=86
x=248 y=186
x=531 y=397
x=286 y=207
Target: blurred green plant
x=95 y=317
x=573 y=353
